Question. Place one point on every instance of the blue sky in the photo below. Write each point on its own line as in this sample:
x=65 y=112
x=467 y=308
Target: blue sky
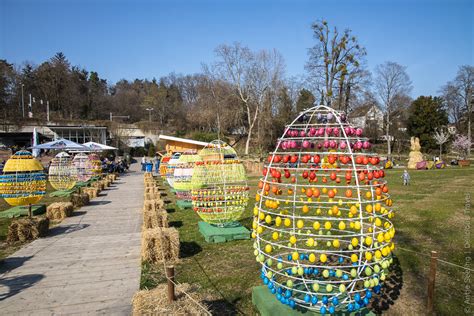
x=146 y=39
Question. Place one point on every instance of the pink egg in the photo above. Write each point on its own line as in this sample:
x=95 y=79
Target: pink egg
x=302 y=133
x=328 y=130
x=332 y=144
x=335 y=131
x=358 y=145
x=342 y=145
x=366 y=145
x=312 y=131
x=293 y=144
x=306 y=144
x=358 y=132
x=326 y=144
x=321 y=131
x=347 y=130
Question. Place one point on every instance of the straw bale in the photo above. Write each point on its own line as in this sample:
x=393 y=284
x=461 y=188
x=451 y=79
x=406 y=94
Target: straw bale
x=79 y=199
x=24 y=229
x=153 y=204
x=155 y=218
x=59 y=210
x=160 y=244
x=155 y=301
x=92 y=192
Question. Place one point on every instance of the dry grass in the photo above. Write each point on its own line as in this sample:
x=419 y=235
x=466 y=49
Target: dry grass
x=155 y=301
x=155 y=218
x=25 y=229
x=92 y=192
x=79 y=199
x=58 y=211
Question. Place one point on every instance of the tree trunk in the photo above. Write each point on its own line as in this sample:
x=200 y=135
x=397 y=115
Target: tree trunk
x=469 y=133
x=440 y=150
x=389 y=149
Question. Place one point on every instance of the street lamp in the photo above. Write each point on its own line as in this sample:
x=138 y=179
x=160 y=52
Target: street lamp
x=22 y=100
x=149 y=113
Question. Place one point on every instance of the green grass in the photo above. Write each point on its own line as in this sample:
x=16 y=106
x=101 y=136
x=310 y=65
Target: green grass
x=429 y=216
x=7 y=249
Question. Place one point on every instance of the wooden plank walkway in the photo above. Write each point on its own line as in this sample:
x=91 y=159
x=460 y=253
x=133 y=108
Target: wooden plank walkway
x=89 y=264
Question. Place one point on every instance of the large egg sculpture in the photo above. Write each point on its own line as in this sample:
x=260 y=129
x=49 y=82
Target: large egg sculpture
x=170 y=168
x=62 y=174
x=183 y=173
x=164 y=165
x=23 y=181
x=83 y=167
x=322 y=226
x=220 y=191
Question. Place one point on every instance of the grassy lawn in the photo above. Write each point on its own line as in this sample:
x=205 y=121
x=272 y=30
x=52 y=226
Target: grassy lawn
x=429 y=216
x=6 y=249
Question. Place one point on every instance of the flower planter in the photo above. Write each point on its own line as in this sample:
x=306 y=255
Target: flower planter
x=464 y=163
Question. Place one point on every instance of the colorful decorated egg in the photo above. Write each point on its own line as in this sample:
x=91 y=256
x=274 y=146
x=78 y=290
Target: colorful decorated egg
x=220 y=191
x=83 y=167
x=170 y=168
x=23 y=181
x=322 y=221
x=164 y=165
x=62 y=174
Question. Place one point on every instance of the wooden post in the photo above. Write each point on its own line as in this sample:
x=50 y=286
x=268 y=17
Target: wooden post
x=431 y=282
x=30 y=213
x=170 y=278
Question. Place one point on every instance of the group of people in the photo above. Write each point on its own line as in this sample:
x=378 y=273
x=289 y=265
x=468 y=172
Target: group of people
x=155 y=162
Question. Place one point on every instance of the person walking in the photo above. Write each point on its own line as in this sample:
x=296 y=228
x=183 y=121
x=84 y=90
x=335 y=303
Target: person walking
x=406 y=177
x=157 y=161
x=143 y=163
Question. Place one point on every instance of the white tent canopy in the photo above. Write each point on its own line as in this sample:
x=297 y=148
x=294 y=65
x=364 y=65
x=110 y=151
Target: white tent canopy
x=98 y=147
x=61 y=144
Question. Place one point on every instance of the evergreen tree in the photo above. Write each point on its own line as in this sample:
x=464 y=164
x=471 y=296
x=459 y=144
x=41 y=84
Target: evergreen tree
x=424 y=116
x=305 y=100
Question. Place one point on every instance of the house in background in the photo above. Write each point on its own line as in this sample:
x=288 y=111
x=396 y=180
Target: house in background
x=178 y=144
x=369 y=117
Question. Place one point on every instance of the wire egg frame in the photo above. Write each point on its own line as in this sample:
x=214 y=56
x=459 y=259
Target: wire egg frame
x=322 y=228
x=170 y=169
x=183 y=173
x=83 y=166
x=220 y=192
x=23 y=181
x=62 y=174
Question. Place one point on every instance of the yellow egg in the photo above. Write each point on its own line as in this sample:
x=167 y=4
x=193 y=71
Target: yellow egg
x=357 y=225
x=368 y=208
x=323 y=258
x=378 y=254
x=275 y=235
x=305 y=209
x=268 y=248
x=354 y=241
x=312 y=257
x=378 y=222
x=310 y=242
x=278 y=221
x=354 y=257
x=368 y=240
x=259 y=229
x=295 y=255
x=380 y=237
x=316 y=225
x=268 y=219
x=354 y=210
x=368 y=195
x=255 y=211
x=300 y=223
x=287 y=222
x=261 y=216
x=293 y=240
x=327 y=225
x=335 y=243
x=342 y=225
x=368 y=256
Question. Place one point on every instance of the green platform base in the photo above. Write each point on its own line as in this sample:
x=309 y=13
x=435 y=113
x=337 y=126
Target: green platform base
x=216 y=234
x=184 y=204
x=62 y=193
x=18 y=211
x=267 y=305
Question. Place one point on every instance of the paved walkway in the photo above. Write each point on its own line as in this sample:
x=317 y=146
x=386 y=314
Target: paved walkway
x=90 y=264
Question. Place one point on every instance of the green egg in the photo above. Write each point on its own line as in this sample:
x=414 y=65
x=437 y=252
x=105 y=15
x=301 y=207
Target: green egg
x=280 y=265
x=366 y=284
x=326 y=273
x=294 y=270
x=300 y=271
x=353 y=273
x=329 y=288
x=376 y=268
x=328 y=244
x=368 y=271
x=289 y=283
x=315 y=287
x=255 y=252
x=338 y=273
x=269 y=262
x=342 y=288
x=372 y=283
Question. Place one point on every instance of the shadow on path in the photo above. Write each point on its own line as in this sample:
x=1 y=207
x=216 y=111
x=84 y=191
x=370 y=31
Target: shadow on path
x=17 y=284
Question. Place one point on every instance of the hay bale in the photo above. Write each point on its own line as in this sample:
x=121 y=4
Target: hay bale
x=152 y=196
x=111 y=177
x=79 y=199
x=155 y=218
x=153 y=205
x=98 y=185
x=152 y=190
x=160 y=244
x=59 y=210
x=24 y=229
x=92 y=192
x=155 y=301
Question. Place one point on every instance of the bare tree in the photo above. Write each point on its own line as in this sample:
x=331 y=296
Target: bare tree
x=441 y=136
x=253 y=75
x=464 y=83
x=391 y=82
x=453 y=103
x=335 y=63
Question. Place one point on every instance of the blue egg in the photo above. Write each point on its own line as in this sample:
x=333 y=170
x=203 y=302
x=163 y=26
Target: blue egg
x=332 y=273
x=369 y=294
x=289 y=257
x=341 y=259
x=265 y=281
x=350 y=307
x=325 y=300
x=307 y=298
x=323 y=310
x=314 y=300
x=345 y=277
x=287 y=293
x=366 y=301
x=292 y=304
x=270 y=285
x=310 y=270
x=335 y=301
x=316 y=271
x=273 y=290
x=279 y=290
x=280 y=259
x=302 y=257
x=332 y=310
x=279 y=296
x=357 y=297
x=356 y=306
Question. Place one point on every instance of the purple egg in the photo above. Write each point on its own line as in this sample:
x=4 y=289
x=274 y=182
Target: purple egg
x=319 y=146
x=330 y=116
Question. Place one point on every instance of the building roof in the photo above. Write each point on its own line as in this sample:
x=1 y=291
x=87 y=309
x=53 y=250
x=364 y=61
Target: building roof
x=182 y=140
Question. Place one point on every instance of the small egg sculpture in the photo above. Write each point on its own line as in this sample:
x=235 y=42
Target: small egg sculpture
x=322 y=221
x=170 y=169
x=220 y=191
x=83 y=167
x=183 y=173
x=62 y=174
x=95 y=165
x=23 y=181
x=164 y=165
